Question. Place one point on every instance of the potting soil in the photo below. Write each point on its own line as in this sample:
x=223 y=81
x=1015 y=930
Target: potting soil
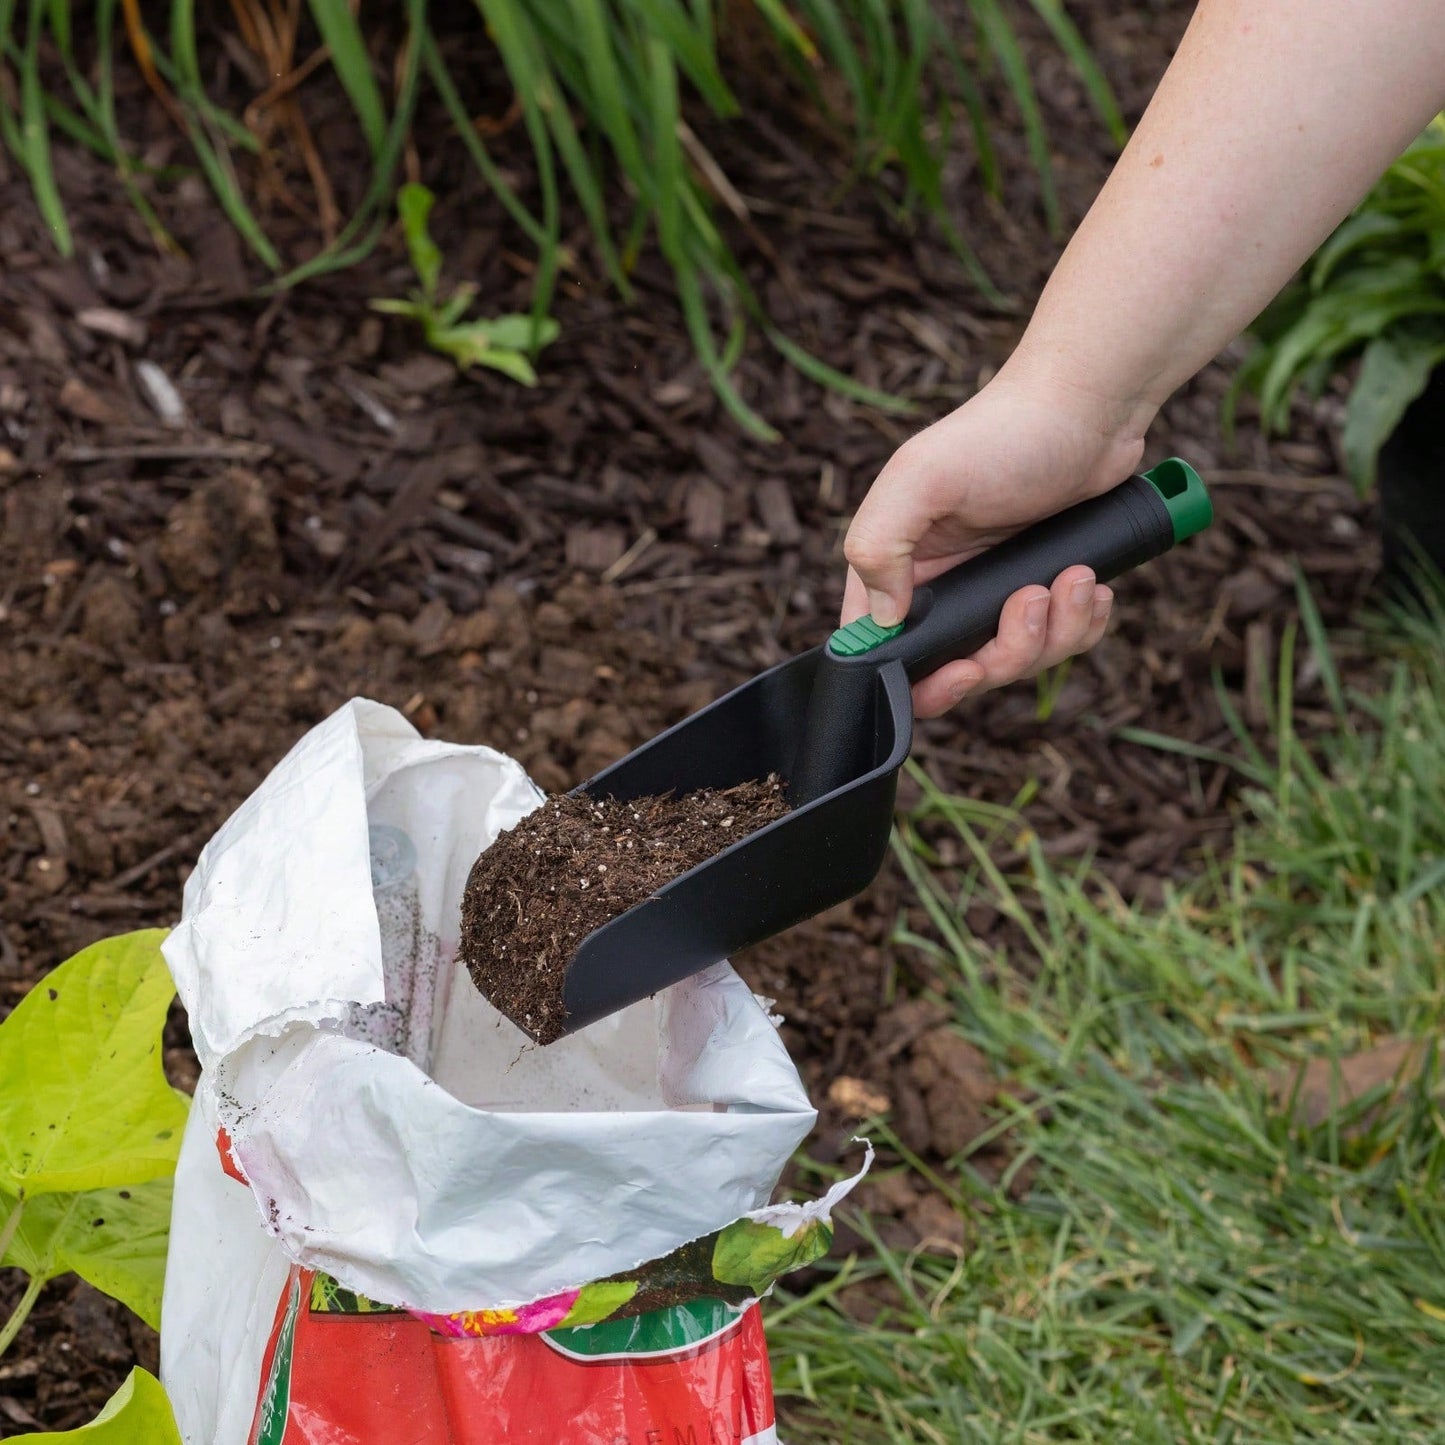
x=573 y=865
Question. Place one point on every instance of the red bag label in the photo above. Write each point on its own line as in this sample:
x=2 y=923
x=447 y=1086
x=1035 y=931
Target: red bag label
x=696 y=1374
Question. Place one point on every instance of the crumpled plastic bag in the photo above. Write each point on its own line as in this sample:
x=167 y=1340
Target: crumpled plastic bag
x=365 y=1118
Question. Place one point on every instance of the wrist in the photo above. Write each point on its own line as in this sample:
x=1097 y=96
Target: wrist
x=1117 y=408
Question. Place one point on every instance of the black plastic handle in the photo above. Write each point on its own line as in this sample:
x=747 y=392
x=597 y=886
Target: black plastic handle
x=955 y=614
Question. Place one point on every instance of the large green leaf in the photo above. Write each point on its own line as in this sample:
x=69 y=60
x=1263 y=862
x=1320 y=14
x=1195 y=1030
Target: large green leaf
x=84 y=1103
x=1363 y=229
x=1393 y=373
x=1376 y=286
x=114 y=1239
x=1356 y=309
x=137 y=1414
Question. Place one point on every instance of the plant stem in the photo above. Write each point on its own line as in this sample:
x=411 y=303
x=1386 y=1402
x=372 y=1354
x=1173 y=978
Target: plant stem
x=7 y=1230
x=11 y=1327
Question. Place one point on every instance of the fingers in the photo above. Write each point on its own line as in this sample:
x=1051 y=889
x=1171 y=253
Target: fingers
x=945 y=688
x=1038 y=628
x=1102 y=607
x=1071 y=615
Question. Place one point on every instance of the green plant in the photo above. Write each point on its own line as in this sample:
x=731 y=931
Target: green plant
x=502 y=343
x=89 y=1131
x=604 y=90
x=137 y=1414
x=1191 y=1243
x=1375 y=290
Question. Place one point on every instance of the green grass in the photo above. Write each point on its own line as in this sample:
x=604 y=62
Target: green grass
x=607 y=94
x=1192 y=1262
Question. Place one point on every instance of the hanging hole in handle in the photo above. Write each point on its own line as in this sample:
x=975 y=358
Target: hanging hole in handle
x=1182 y=490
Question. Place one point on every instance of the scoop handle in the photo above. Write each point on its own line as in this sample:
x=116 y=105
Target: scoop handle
x=957 y=612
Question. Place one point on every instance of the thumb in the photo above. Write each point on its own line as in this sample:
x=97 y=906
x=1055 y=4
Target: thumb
x=879 y=548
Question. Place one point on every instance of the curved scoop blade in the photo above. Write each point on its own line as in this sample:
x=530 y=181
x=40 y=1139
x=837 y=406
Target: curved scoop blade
x=803 y=863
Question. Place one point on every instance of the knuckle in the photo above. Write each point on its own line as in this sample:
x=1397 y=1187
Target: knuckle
x=866 y=552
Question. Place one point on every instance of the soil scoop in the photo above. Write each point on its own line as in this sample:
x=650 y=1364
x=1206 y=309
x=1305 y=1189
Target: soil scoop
x=836 y=723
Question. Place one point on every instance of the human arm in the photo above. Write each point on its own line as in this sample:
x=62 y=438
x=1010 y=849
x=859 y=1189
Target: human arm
x=1270 y=124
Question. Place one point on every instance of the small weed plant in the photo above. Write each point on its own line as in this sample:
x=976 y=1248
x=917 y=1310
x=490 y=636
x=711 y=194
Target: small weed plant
x=503 y=343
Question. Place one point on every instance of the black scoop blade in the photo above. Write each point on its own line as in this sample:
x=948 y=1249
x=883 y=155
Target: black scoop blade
x=819 y=855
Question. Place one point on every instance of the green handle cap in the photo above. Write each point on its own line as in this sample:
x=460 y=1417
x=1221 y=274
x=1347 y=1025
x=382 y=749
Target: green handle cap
x=1182 y=491
x=861 y=635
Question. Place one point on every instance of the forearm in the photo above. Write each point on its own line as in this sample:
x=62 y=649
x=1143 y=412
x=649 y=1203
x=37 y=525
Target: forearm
x=1271 y=123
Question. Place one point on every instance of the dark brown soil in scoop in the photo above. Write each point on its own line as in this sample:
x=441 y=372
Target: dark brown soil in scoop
x=573 y=865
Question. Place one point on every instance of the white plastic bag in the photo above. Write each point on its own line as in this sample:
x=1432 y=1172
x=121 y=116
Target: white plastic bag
x=364 y=1113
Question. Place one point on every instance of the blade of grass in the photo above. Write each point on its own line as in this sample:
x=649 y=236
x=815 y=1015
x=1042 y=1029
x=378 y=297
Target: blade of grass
x=545 y=109
x=352 y=63
x=1096 y=85
x=546 y=233
x=691 y=44
x=667 y=164
x=35 y=136
x=604 y=83
x=1003 y=43
x=214 y=160
x=360 y=234
x=835 y=380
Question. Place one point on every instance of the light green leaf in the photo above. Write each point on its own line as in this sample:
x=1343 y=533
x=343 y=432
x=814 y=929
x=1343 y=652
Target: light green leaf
x=754 y=1255
x=114 y=1239
x=599 y=1300
x=472 y=345
x=509 y=363
x=414 y=204
x=515 y=332
x=84 y=1103
x=137 y=1414
x=1393 y=373
x=394 y=306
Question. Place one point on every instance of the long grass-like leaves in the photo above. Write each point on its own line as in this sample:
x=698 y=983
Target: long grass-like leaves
x=1215 y=1247
x=584 y=75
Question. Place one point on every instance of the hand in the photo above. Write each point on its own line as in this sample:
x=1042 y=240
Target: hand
x=1020 y=450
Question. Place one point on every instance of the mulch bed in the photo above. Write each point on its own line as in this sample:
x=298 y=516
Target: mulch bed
x=561 y=573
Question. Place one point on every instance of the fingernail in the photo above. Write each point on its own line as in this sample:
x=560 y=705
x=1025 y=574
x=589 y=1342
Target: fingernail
x=1103 y=600
x=961 y=690
x=882 y=609
x=1082 y=591
x=1036 y=614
